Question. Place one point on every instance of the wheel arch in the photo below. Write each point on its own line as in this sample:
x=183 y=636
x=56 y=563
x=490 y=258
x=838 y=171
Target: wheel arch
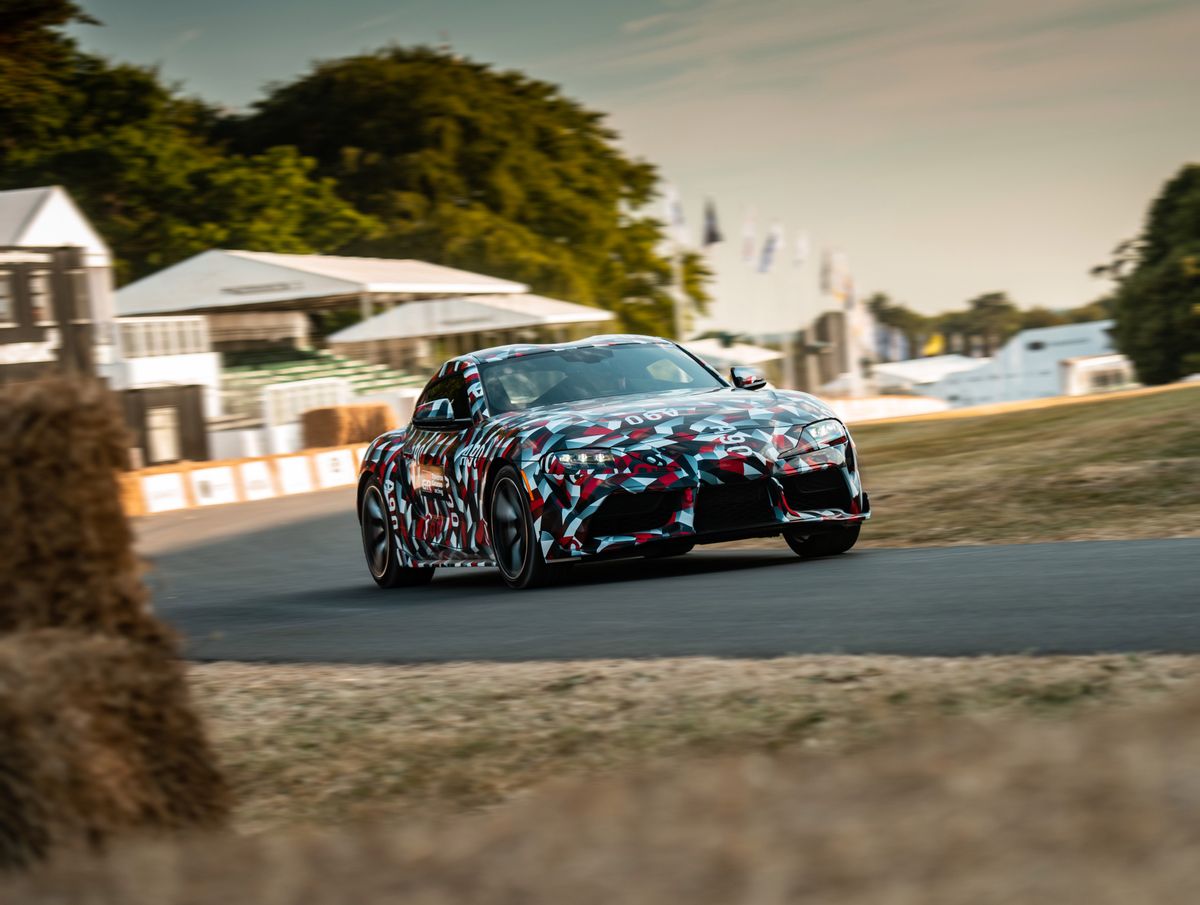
x=363 y=479
x=489 y=479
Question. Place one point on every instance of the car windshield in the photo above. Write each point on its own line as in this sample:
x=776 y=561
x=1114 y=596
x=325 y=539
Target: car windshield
x=549 y=378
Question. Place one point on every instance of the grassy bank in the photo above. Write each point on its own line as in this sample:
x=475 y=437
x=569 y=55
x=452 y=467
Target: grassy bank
x=1110 y=469
x=325 y=744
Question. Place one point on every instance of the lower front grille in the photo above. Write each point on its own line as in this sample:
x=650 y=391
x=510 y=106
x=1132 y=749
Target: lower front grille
x=815 y=490
x=628 y=513
x=723 y=507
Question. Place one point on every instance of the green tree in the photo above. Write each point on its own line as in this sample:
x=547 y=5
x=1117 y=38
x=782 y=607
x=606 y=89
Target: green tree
x=1157 y=302
x=913 y=325
x=994 y=317
x=1042 y=317
x=137 y=159
x=33 y=53
x=481 y=169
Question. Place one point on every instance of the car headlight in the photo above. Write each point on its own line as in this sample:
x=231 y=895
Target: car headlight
x=574 y=459
x=819 y=434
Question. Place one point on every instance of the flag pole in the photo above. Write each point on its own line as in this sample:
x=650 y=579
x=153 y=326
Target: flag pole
x=678 y=296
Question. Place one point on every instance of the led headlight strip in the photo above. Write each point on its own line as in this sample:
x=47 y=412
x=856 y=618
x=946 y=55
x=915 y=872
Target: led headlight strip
x=585 y=458
x=819 y=434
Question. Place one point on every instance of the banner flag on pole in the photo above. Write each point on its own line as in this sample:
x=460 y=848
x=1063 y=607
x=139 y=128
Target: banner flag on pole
x=883 y=341
x=712 y=230
x=674 y=215
x=770 y=244
x=935 y=345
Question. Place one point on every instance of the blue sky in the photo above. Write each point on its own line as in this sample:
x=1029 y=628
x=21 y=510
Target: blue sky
x=948 y=148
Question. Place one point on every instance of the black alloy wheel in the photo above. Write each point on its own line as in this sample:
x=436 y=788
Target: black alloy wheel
x=514 y=547
x=830 y=542
x=379 y=545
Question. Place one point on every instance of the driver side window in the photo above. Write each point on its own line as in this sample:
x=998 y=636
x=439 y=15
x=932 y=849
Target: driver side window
x=452 y=387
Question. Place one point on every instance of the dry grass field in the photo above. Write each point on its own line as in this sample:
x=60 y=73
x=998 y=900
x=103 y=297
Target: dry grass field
x=327 y=744
x=1101 y=808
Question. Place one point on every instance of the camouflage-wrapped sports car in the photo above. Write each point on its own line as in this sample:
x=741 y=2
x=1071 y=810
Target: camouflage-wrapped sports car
x=526 y=457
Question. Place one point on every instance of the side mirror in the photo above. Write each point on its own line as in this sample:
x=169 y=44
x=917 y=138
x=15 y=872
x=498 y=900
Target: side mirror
x=437 y=413
x=748 y=378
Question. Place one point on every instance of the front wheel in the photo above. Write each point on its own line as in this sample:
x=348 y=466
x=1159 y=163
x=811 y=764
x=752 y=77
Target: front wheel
x=379 y=544
x=514 y=546
x=825 y=543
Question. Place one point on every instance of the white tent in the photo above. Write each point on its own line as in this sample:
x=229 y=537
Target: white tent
x=417 y=335
x=721 y=356
x=471 y=314
x=916 y=372
x=226 y=281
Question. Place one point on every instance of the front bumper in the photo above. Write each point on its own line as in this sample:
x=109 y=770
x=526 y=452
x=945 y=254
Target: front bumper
x=587 y=513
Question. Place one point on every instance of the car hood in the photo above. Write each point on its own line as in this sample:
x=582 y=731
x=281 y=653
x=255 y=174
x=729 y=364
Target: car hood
x=673 y=422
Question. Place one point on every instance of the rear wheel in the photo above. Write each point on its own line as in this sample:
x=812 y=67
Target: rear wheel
x=514 y=547
x=825 y=543
x=379 y=544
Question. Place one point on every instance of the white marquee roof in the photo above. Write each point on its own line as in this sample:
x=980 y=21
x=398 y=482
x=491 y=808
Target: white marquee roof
x=926 y=370
x=471 y=314
x=221 y=279
x=721 y=356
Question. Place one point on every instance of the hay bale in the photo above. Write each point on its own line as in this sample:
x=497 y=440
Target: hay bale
x=67 y=559
x=97 y=737
x=341 y=425
x=132 y=502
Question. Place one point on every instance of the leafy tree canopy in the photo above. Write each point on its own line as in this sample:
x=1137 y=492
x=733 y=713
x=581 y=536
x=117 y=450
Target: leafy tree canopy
x=482 y=169
x=33 y=52
x=986 y=322
x=136 y=158
x=1157 y=302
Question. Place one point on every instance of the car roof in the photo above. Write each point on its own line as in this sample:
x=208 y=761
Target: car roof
x=500 y=353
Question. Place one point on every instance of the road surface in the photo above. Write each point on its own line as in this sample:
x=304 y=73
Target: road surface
x=284 y=580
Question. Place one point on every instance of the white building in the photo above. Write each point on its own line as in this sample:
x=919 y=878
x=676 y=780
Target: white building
x=1034 y=364
x=47 y=217
x=163 y=367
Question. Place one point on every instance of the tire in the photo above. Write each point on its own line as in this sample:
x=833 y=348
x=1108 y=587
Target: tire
x=379 y=544
x=516 y=551
x=663 y=549
x=826 y=543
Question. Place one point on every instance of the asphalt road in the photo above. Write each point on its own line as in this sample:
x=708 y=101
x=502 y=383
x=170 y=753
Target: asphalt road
x=284 y=580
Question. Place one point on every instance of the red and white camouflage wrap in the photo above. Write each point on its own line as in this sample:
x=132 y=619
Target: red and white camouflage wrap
x=721 y=463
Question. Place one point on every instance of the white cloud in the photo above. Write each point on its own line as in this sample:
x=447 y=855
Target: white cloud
x=182 y=39
x=645 y=23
